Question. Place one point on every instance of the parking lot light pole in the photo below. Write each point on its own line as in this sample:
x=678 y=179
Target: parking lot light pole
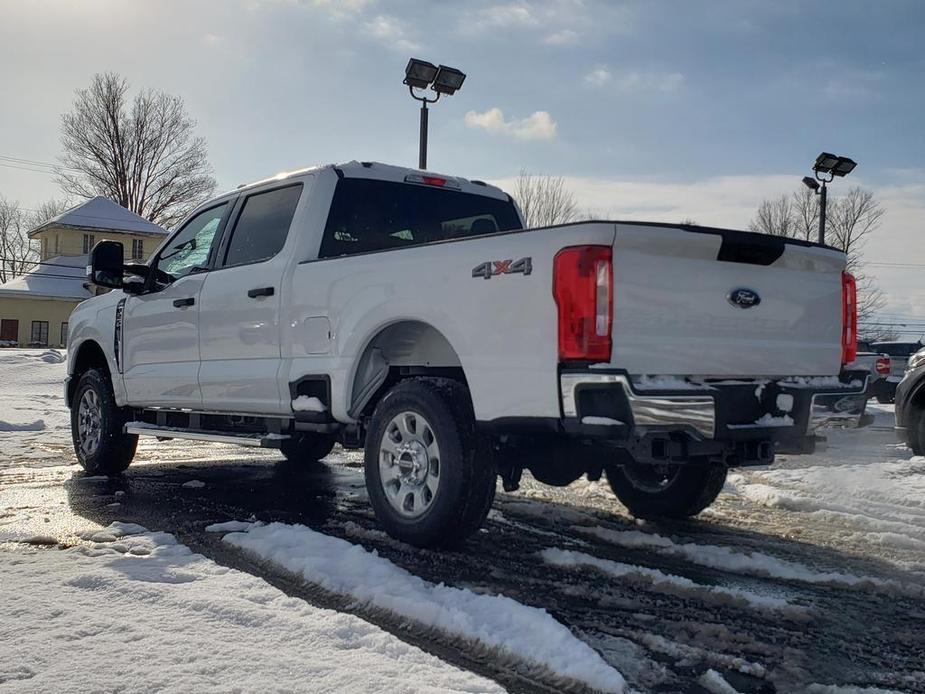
x=419 y=74
x=826 y=168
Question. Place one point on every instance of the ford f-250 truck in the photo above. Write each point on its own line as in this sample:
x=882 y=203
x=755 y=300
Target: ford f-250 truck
x=411 y=314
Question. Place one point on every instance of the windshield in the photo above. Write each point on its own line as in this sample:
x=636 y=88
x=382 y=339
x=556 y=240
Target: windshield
x=368 y=215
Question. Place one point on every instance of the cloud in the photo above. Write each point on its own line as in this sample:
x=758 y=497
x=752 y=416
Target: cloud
x=537 y=126
x=502 y=16
x=598 y=77
x=634 y=80
x=391 y=33
x=561 y=38
x=338 y=9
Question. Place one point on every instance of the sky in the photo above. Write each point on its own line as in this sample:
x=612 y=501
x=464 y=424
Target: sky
x=658 y=110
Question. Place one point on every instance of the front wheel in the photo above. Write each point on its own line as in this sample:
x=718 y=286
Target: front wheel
x=430 y=483
x=96 y=426
x=666 y=491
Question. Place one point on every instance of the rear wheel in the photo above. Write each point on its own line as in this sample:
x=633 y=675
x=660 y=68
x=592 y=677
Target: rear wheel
x=308 y=448
x=666 y=491
x=430 y=483
x=96 y=426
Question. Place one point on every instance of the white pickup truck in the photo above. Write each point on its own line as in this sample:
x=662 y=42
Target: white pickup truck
x=411 y=314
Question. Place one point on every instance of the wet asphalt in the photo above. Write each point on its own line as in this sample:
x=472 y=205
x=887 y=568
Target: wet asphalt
x=661 y=640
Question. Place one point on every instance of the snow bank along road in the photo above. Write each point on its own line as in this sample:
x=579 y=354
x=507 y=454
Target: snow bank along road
x=807 y=576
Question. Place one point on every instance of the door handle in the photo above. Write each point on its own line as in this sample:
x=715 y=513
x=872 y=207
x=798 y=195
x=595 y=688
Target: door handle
x=182 y=303
x=260 y=291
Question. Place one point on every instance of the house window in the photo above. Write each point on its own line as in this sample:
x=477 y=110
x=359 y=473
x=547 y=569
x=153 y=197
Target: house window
x=56 y=245
x=138 y=249
x=9 y=332
x=88 y=243
x=63 y=341
x=39 y=333
x=43 y=243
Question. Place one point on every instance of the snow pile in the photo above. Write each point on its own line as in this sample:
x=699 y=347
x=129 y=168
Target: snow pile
x=138 y=612
x=715 y=683
x=304 y=403
x=52 y=356
x=883 y=502
x=495 y=621
x=33 y=417
x=766 y=420
x=668 y=583
x=601 y=421
x=728 y=559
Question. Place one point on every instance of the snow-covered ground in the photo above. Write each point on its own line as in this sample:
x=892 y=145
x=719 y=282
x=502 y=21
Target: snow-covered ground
x=805 y=575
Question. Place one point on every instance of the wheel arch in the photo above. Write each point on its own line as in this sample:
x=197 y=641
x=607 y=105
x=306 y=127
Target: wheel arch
x=89 y=355
x=398 y=350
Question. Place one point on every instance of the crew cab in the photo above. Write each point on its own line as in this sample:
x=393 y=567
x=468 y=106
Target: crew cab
x=410 y=314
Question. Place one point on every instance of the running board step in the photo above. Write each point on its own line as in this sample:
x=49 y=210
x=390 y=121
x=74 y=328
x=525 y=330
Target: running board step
x=254 y=440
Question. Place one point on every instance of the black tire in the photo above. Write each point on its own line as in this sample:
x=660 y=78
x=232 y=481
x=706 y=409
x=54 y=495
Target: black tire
x=917 y=432
x=466 y=483
x=112 y=451
x=307 y=448
x=675 y=491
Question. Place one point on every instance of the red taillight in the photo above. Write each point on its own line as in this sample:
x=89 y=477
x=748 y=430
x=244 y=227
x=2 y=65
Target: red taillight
x=583 y=289
x=849 y=318
x=884 y=366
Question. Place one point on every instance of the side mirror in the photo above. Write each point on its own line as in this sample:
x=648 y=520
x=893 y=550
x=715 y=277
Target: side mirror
x=106 y=264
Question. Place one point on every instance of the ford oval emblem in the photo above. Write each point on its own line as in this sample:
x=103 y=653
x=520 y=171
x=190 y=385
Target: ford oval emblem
x=743 y=298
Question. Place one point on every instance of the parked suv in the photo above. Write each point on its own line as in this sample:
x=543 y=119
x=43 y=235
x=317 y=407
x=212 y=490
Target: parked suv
x=412 y=315
x=910 y=404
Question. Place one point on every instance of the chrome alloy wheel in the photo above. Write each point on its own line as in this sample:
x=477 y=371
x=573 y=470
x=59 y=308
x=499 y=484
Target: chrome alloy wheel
x=409 y=464
x=89 y=422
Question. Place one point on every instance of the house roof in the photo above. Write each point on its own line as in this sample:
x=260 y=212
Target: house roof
x=58 y=278
x=104 y=214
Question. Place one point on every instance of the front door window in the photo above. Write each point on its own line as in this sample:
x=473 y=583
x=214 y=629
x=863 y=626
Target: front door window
x=189 y=250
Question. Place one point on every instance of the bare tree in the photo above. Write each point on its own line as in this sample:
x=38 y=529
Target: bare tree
x=544 y=200
x=849 y=221
x=805 y=211
x=688 y=222
x=774 y=217
x=47 y=210
x=16 y=251
x=142 y=154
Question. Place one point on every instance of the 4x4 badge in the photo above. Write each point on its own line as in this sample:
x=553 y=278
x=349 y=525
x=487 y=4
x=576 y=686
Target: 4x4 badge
x=492 y=268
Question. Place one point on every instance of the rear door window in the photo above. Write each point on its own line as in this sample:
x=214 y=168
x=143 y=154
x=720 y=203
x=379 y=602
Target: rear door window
x=368 y=215
x=262 y=226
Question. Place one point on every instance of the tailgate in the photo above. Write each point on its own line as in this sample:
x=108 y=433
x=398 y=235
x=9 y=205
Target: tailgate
x=677 y=309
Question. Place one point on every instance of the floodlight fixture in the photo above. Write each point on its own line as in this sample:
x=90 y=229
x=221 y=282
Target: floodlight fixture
x=827 y=167
x=444 y=80
x=811 y=183
x=448 y=80
x=419 y=73
x=844 y=166
x=825 y=162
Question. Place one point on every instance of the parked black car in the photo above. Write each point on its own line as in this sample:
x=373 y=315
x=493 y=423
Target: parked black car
x=910 y=404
